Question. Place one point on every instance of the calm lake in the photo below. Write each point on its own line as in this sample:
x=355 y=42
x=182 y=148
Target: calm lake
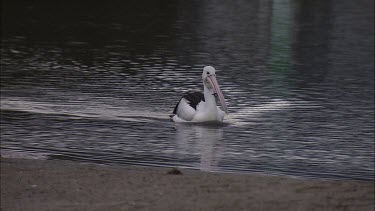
x=96 y=82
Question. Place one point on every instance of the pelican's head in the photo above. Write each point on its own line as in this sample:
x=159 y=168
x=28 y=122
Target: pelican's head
x=209 y=81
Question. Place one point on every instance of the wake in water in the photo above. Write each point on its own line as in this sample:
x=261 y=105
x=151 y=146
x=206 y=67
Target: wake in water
x=239 y=117
x=97 y=110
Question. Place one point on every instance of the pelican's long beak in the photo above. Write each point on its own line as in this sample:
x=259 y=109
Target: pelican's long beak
x=216 y=88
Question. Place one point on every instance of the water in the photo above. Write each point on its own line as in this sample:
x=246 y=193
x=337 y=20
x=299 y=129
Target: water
x=96 y=83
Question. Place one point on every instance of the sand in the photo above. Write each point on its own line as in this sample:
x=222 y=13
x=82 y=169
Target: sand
x=63 y=185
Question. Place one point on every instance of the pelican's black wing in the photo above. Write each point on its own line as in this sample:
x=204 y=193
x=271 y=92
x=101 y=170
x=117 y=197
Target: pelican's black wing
x=193 y=98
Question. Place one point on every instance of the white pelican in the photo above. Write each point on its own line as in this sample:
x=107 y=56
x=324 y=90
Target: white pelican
x=198 y=107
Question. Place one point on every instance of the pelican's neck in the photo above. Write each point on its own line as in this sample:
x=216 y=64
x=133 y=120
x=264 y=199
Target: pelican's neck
x=209 y=96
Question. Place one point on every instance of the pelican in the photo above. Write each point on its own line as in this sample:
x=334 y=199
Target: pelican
x=198 y=107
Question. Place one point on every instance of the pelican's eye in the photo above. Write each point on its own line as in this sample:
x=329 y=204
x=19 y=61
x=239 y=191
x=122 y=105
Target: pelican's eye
x=208 y=73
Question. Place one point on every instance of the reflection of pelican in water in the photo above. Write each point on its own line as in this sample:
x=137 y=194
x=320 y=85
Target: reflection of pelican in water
x=198 y=107
x=203 y=141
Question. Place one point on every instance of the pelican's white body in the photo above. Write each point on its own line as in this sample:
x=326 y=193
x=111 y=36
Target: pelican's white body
x=207 y=111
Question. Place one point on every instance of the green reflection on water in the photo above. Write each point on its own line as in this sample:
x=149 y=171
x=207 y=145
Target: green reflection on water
x=279 y=63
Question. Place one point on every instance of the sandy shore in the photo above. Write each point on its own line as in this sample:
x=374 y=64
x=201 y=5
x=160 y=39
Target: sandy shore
x=63 y=185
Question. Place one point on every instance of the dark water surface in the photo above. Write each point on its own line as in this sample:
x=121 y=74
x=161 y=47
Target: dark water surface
x=96 y=83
